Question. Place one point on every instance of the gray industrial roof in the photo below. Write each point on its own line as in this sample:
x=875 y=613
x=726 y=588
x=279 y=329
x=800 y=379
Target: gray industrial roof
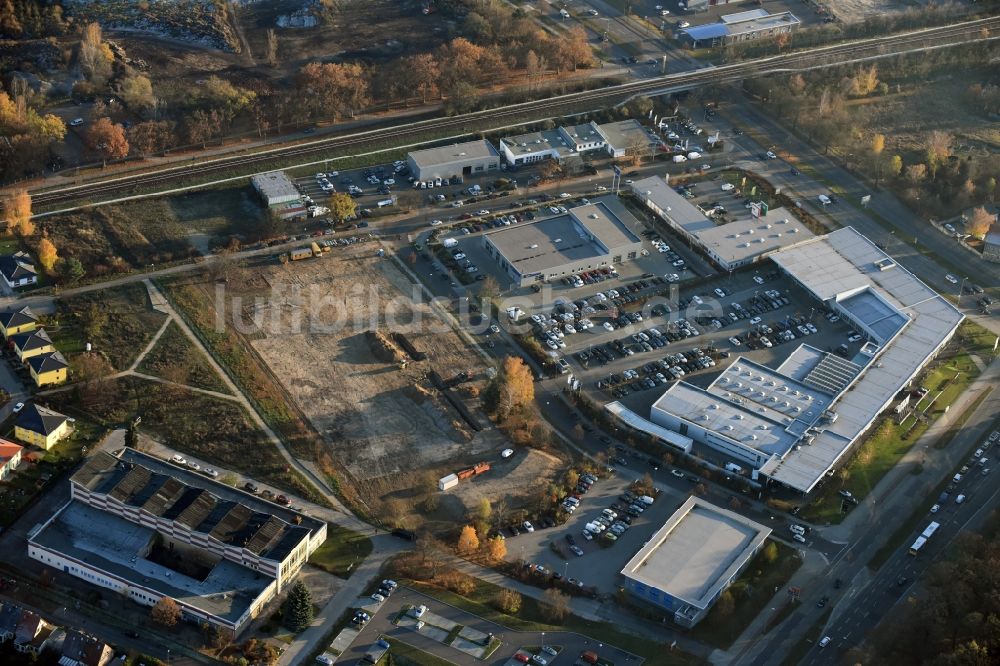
x=119 y=547
x=622 y=134
x=681 y=212
x=455 y=152
x=230 y=516
x=630 y=418
x=274 y=185
x=883 y=319
x=555 y=241
x=751 y=236
x=756 y=20
x=696 y=552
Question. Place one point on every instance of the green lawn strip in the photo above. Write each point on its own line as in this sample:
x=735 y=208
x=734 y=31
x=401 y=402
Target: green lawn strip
x=947 y=438
x=530 y=619
x=752 y=591
x=176 y=359
x=809 y=638
x=405 y=655
x=342 y=551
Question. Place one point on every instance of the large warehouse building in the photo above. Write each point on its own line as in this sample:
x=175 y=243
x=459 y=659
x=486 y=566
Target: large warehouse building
x=745 y=240
x=692 y=559
x=149 y=529
x=457 y=159
x=793 y=424
x=583 y=239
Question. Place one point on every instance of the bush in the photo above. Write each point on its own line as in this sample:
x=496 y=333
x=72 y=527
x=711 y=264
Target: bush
x=508 y=601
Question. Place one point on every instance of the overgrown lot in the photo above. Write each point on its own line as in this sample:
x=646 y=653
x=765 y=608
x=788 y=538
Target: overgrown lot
x=119 y=322
x=175 y=359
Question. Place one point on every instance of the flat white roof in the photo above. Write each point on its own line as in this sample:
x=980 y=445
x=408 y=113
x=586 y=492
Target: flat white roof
x=750 y=236
x=835 y=268
x=455 y=152
x=274 y=185
x=681 y=212
x=537 y=142
x=697 y=552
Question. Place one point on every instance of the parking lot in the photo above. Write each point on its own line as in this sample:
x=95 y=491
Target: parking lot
x=595 y=561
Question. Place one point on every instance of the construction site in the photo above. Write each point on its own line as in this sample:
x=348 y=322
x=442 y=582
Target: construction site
x=391 y=389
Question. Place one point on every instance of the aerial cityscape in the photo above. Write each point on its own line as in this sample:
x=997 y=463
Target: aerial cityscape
x=500 y=332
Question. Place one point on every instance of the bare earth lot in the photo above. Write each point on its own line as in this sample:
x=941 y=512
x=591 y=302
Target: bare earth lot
x=386 y=426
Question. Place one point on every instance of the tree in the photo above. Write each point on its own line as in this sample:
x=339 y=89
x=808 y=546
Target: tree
x=298 y=608
x=165 y=612
x=423 y=74
x=878 y=144
x=896 y=165
x=556 y=606
x=770 y=552
x=271 y=48
x=137 y=93
x=47 y=255
x=342 y=207
x=637 y=148
x=17 y=210
x=916 y=173
x=151 y=136
x=511 y=390
x=484 y=509
x=726 y=604
x=979 y=222
x=572 y=478
x=508 y=601
x=94 y=56
x=333 y=89
x=71 y=270
x=489 y=288
x=108 y=140
x=496 y=548
x=468 y=541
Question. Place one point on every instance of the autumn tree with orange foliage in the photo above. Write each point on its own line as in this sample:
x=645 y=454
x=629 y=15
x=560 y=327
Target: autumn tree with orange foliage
x=108 y=140
x=47 y=254
x=512 y=390
x=468 y=541
x=979 y=222
x=496 y=549
x=17 y=211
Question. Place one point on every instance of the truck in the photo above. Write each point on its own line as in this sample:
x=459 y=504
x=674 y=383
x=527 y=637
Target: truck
x=734 y=468
x=376 y=652
x=475 y=470
x=317 y=251
x=300 y=253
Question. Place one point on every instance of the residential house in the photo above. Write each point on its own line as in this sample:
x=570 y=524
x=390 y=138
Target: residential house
x=40 y=426
x=31 y=343
x=79 y=649
x=17 y=320
x=9 y=616
x=48 y=369
x=32 y=632
x=18 y=270
x=10 y=457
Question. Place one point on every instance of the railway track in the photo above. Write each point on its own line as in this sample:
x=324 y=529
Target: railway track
x=814 y=58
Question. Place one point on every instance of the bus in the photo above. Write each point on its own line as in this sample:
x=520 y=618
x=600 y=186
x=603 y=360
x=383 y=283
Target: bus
x=923 y=538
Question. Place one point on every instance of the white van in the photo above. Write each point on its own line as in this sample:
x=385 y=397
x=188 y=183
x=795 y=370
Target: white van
x=563 y=13
x=823 y=199
x=960 y=499
x=824 y=641
x=680 y=158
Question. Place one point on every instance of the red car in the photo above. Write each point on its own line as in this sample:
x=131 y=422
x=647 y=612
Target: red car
x=281 y=499
x=521 y=657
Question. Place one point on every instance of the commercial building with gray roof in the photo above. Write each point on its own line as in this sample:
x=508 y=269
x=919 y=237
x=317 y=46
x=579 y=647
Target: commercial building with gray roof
x=583 y=239
x=753 y=24
x=747 y=238
x=456 y=159
x=795 y=423
x=625 y=135
x=558 y=144
x=231 y=552
x=692 y=559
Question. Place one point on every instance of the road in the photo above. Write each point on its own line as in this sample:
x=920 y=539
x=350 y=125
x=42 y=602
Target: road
x=123 y=187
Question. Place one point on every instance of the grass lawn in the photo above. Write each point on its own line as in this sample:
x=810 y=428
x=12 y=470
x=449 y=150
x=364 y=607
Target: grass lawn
x=341 y=551
x=218 y=212
x=175 y=358
x=752 y=591
x=119 y=322
x=405 y=655
x=530 y=618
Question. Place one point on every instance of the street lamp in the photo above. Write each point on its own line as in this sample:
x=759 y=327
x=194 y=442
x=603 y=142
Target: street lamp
x=961 y=289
